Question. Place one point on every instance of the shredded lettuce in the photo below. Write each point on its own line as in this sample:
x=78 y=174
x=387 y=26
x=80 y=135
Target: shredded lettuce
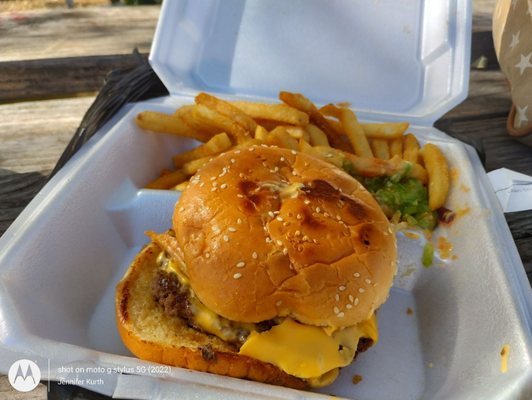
x=400 y=195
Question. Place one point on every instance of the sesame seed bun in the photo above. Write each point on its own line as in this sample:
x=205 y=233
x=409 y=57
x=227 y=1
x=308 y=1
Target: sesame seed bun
x=268 y=232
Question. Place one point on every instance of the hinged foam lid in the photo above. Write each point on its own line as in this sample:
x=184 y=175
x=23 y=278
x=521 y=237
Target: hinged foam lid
x=390 y=59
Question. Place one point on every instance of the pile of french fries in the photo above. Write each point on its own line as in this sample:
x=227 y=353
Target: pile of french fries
x=331 y=133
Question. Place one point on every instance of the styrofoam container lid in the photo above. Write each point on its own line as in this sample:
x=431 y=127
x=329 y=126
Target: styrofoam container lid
x=400 y=59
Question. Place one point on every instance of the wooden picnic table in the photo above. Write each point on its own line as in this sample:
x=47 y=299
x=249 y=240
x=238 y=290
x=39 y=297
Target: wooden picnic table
x=53 y=62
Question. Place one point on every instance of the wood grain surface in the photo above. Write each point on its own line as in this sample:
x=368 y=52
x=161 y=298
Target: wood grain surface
x=33 y=134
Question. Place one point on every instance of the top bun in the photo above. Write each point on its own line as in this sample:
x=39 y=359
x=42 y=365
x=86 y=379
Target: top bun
x=268 y=232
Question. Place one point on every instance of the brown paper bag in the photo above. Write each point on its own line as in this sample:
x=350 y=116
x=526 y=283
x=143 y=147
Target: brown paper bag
x=512 y=37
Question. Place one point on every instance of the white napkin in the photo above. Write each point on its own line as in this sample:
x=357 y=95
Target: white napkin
x=513 y=189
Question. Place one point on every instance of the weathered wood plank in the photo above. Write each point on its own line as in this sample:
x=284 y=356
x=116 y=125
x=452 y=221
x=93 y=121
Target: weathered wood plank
x=58 y=77
x=59 y=33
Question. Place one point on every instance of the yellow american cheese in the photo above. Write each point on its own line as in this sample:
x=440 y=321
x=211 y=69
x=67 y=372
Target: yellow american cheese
x=307 y=351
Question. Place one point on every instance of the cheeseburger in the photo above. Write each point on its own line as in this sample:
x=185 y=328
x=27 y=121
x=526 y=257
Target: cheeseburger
x=273 y=271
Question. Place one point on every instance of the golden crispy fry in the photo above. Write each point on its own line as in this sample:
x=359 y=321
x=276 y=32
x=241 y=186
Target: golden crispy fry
x=224 y=124
x=261 y=133
x=168 y=123
x=396 y=147
x=297 y=132
x=215 y=145
x=316 y=136
x=410 y=148
x=385 y=130
x=228 y=110
x=167 y=180
x=181 y=187
x=301 y=103
x=380 y=148
x=331 y=110
x=354 y=132
x=438 y=172
x=329 y=154
x=280 y=137
x=274 y=112
x=191 y=167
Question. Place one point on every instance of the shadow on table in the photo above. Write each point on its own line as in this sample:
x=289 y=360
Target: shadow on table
x=16 y=191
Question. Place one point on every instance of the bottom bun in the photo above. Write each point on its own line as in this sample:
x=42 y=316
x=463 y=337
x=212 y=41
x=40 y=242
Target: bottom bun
x=152 y=335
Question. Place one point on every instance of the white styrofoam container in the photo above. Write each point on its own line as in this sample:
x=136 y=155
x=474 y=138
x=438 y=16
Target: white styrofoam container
x=392 y=60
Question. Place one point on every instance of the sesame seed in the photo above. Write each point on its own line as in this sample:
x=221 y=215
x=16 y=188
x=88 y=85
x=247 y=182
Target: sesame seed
x=271 y=214
x=356 y=301
x=213 y=178
x=315 y=241
x=294 y=152
x=337 y=297
x=305 y=238
x=268 y=240
x=285 y=251
x=279 y=219
x=202 y=184
x=240 y=196
x=307 y=202
x=276 y=212
x=299 y=216
x=356 y=275
x=349 y=306
x=279 y=302
x=226 y=238
x=318 y=210
x=231 y=229
x=282 y=159
x=214 y=184
x=361 y=290
x=341 y=314
x=297 y=233
x=237 y=152
x=338 y=218
x=214 y=189
x=239 y=221
x=294 y=173
x=336 y=310
x=351 y=298
x=238 y=275
x=329 y=155
x=252 y=148
x=223 y=185
x=233 y=161
x=182 y=209
x=276 y=169
x=341 y=288
x=240 y=264
x=254 y=255
x=368 y=281
x=279 y=242
x=241 y=175
x=207 y=255
x=215 y=229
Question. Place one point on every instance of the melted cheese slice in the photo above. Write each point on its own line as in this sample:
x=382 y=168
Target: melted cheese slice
x=308 y=351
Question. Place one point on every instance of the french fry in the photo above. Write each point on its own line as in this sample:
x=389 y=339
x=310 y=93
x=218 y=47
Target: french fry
x=224 y=123
x=410 y=148
x=191 y=167
x=438 y=172
x=280 y=137
x=215 y=145
x=380 y=148
x=331 y=110
x=316 y=136
x=181 y=186
x=297 y=132
x=274 y=112
x=302 y=103
x=326 y=153
x=385 y=130
x=261 y=133
x=168 y=123
x=167 y=180
x=355 y=133
x=228 y=110
x=396 y=147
